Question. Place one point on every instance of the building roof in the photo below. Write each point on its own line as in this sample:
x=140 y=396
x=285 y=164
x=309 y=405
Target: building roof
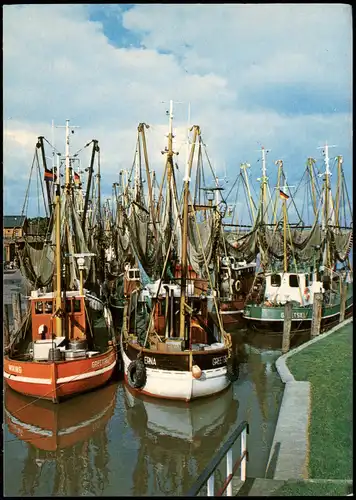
x=11 y=221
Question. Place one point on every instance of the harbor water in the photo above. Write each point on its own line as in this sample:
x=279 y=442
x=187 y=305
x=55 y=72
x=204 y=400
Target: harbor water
x=113 y=442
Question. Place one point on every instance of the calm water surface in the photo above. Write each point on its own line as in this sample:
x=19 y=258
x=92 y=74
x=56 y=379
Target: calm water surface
x=112 y=442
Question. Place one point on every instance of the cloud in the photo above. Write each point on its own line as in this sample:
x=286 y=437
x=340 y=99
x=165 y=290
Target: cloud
x=278 y=75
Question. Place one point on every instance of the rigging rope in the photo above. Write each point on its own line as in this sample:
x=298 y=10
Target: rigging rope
x=53 y=147
x=25 y=205
x=41 y=184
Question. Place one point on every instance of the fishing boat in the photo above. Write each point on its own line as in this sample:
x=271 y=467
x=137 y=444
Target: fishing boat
x=239 y=248
x=236 y=280
x=170 y=346
x=66 y=343
x=324 y=248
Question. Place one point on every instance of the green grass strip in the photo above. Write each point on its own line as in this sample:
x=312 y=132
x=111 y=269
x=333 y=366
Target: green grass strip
x=304 y=488
x=327 y=365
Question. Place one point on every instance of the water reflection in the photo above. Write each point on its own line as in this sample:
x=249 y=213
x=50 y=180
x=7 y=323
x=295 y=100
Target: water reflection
x=273 y=341
x=115 y=443
x=176 y=439
x=68 y=439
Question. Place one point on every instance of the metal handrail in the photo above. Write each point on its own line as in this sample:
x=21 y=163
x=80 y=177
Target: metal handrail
x=207 y=476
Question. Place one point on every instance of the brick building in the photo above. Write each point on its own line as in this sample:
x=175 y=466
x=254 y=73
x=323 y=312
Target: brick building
x=15 y=226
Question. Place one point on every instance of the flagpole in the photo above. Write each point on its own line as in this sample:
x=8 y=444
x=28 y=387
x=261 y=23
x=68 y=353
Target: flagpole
x=285 y=197
x=285 y=235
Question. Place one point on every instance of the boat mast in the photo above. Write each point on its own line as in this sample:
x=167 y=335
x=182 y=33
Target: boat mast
x=311 y=163
x=185 y=235
x=264 y=179
x=67 y=161
x=279 y=163
x=141 y=129
x=285 y=268
x=58 y=259
x=137 y=183
x=170 y=161
x=327 y=174
x=338 y=189
x=90 y=175
x=243 y=167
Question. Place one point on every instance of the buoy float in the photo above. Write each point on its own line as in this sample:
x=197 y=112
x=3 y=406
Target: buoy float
x=196 y=371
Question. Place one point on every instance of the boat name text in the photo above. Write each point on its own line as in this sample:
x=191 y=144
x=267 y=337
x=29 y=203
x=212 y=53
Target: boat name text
x=149 y=361
x=16 y=369
x=98 y=363
x=296 y=315
x=219 y=361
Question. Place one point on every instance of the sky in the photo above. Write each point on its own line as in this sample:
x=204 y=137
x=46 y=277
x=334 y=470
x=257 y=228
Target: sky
x=272 y=75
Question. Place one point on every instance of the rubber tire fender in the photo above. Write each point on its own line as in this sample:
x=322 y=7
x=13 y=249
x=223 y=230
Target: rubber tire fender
x=137 y=374
x=233 y=371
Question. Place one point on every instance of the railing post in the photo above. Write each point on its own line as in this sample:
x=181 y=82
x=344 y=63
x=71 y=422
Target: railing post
x=243 y=449
x=211 y=492
x=206 y=477
x=229 y=471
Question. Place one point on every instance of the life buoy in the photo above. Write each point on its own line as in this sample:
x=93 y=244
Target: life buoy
x=307 y=294
x=237 y=285
x=42 y=330
x=136 y=374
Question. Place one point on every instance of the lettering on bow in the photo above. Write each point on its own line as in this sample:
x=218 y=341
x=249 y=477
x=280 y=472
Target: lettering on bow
x=16 y=369
x=219 y=361
x=149 y=361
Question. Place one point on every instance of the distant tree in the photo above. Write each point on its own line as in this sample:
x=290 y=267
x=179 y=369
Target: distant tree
x=38 y=225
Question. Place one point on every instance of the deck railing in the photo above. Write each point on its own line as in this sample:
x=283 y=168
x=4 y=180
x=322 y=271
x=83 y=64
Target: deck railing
x=207 y=476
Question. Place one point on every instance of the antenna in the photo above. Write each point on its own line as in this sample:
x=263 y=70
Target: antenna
x=326 y=158
x=264 y=171
x=67 y=158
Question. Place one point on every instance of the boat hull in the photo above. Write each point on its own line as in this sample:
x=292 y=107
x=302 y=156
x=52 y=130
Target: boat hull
x=168 y=376
x=264 y=318
x=58 y=380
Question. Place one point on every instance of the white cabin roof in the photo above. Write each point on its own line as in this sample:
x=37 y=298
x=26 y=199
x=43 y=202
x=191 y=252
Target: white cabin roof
x=36 y=294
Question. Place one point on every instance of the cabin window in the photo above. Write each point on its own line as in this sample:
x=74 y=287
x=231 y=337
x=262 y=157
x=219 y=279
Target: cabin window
x=76 y=306
x=293 y=280
x=311 y=277
x=137 y=274
x=48 y=307
x=275 y=280
x=39 y=308
x=306 y=280
x=68 y=306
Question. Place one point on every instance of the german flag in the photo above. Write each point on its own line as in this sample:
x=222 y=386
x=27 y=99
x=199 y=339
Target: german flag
x=49 y=175
x=283 y=195
x=76 y=178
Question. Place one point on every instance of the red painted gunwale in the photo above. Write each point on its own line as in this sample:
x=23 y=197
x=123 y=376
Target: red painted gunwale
x=55 y=389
